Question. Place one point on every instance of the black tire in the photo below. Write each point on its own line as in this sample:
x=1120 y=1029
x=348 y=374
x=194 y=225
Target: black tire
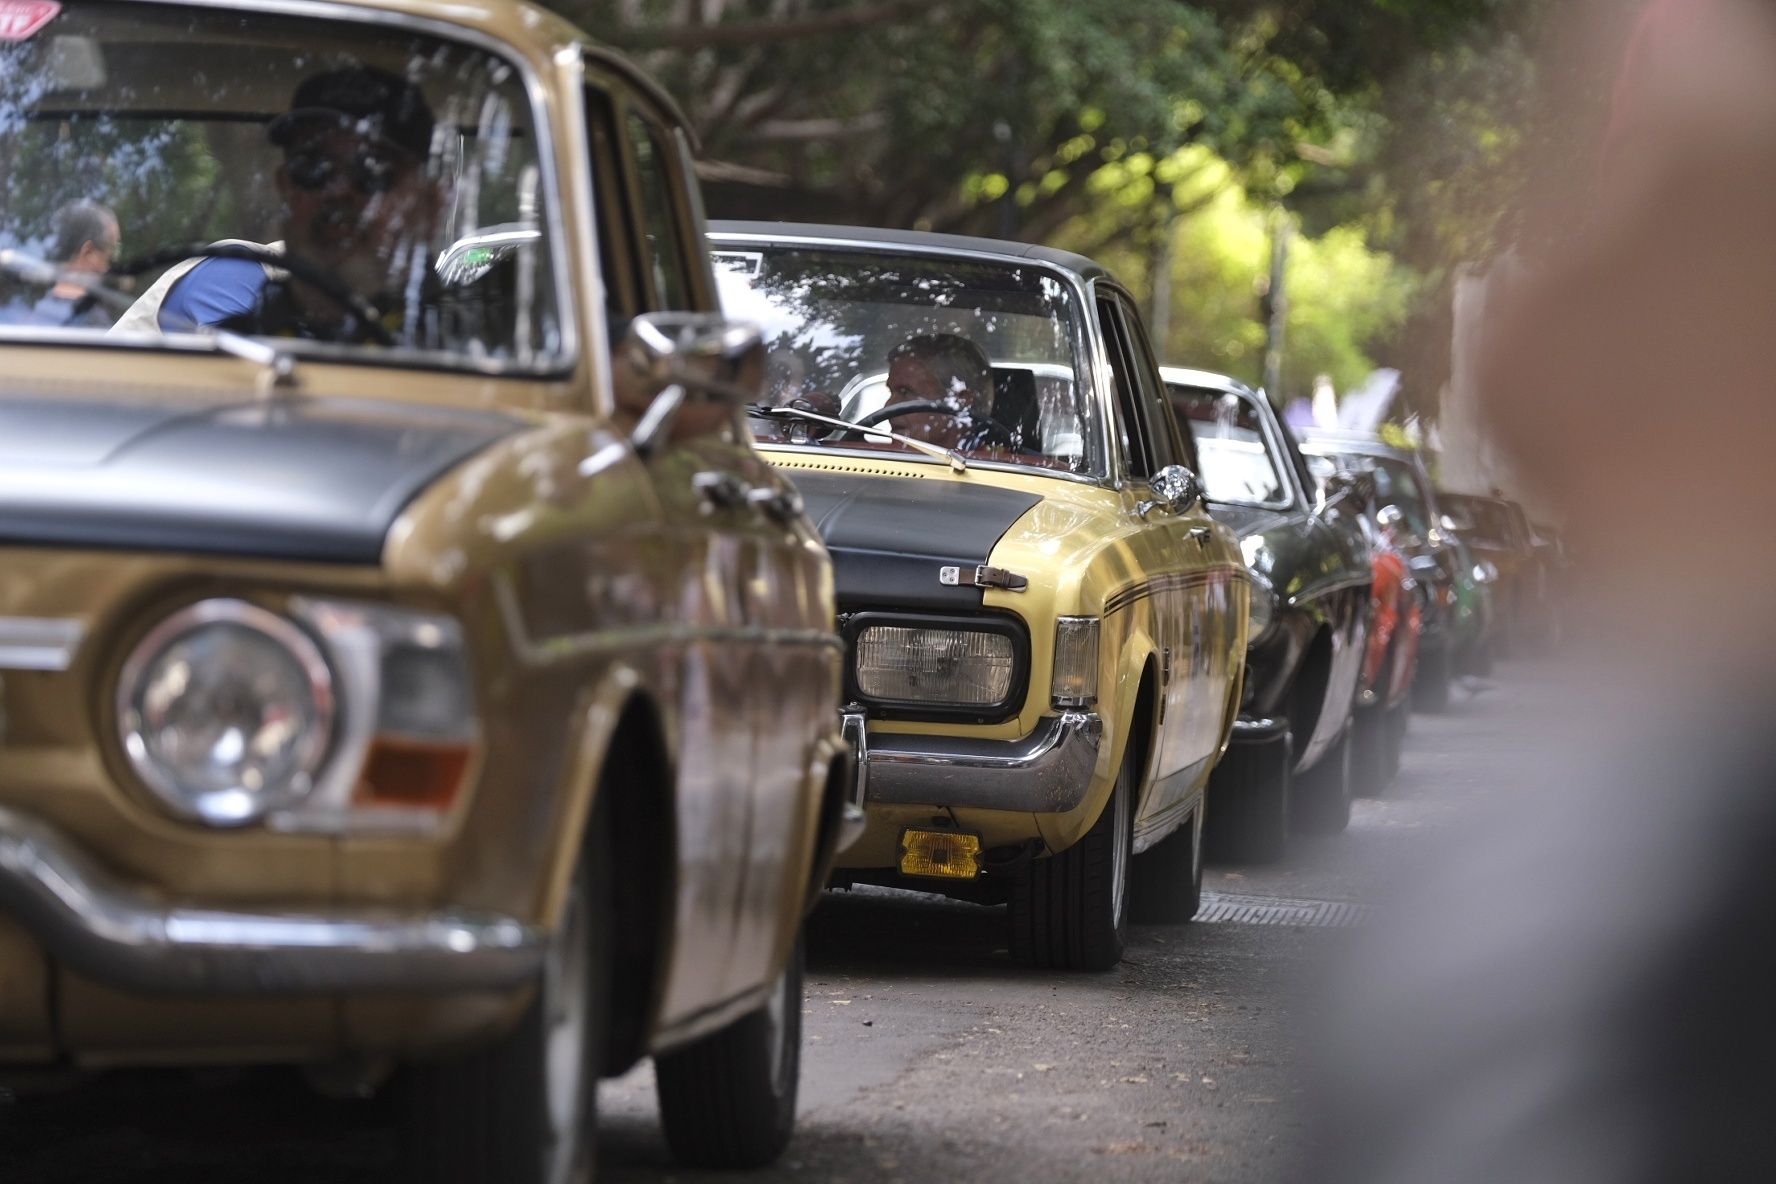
x=1370 y=767
x=1070 y=911
x=1398 y=719
x=1322 y=795
x=1430 y=686
x=729 y=1099
x=487 y=1117
x=1166 y=880
x=1247 y=815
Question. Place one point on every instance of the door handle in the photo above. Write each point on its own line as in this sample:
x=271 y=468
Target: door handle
x=1200 y=534
x=783 y=506
x=720 y=491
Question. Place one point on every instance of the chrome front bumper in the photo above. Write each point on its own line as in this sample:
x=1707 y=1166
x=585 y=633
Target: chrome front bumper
x=119 y=935
x=1047 y=772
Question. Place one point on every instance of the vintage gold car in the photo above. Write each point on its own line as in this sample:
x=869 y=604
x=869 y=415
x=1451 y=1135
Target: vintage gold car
x=378 y=640
x=1047 y=629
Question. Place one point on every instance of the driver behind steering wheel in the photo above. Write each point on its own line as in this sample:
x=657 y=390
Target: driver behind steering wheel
x=948 y=369
x=358 y=203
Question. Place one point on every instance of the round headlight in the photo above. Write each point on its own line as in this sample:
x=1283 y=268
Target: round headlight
x=1263 y=612
x=226 y=711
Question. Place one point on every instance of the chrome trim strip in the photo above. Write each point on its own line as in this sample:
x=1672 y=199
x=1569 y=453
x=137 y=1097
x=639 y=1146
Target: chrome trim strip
x=852 y=819
x=1047 y=772
x=123 y=937
x=569 y=646
x=39 y=643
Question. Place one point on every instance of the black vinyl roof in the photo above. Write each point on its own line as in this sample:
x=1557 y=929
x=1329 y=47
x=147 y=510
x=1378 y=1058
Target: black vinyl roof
x=916 y=240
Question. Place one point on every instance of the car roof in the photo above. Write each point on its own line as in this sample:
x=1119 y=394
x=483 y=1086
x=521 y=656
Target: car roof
x=1320 y=440
x=916 y=240
x=1186 y=376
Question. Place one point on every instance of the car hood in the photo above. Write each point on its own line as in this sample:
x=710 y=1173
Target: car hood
x=891 y=536
x=291 y=478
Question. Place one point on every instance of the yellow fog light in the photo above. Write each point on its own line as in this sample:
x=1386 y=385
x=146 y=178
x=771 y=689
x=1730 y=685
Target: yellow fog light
x=941 y=854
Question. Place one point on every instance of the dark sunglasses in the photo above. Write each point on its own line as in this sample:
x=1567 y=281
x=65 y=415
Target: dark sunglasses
x=370 y=173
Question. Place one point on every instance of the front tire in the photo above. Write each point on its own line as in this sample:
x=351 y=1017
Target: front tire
x=729 y=1099
x=1248 y=803
x=1430 y=686
x=524 y=1111
x=1070 y=911
x=1166 y=881
x=1370 y=767
x=1322 y=803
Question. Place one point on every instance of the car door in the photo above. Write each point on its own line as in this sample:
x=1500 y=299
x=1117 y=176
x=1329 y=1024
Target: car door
x=749 y=581
x=1175 y=551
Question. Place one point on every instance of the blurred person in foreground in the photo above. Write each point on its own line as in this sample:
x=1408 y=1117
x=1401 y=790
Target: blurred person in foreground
x=1580 y=991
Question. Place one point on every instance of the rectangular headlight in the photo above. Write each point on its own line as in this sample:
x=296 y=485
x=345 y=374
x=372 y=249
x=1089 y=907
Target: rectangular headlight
x=1075 y=679
x=911 y=664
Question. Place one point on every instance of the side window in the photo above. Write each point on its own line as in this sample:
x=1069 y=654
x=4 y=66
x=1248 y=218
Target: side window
x=660 y=218
x=616 y=261
x=1167 y=445
x=1131 y=425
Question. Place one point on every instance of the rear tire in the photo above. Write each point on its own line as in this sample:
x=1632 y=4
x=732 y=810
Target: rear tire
x=728 y=1100
x=524 y=1111
x=1166 y=881
x=1070 y=911
x=1248 y=804
x=1322 y=804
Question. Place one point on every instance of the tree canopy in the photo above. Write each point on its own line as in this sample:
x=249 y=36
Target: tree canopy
x=1385 y=126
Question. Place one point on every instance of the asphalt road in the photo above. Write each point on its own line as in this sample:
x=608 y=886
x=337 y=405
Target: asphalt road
x=928 y=1056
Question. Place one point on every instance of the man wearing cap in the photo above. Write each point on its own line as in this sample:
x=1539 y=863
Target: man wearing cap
x=359 y=205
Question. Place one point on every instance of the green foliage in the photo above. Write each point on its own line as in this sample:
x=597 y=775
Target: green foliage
x=1343 y=295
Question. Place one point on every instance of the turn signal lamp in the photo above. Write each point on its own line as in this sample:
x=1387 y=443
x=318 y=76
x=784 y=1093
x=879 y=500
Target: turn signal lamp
x=939 y=854
x=1075 y=679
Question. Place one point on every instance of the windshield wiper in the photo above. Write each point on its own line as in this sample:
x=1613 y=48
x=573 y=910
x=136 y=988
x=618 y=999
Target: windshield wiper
x=278 y=365
x=954 y=458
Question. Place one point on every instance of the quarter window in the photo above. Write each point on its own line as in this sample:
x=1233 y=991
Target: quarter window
x=665 y=257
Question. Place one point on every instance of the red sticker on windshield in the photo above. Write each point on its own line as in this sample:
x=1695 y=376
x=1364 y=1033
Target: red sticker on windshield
x=20 y=19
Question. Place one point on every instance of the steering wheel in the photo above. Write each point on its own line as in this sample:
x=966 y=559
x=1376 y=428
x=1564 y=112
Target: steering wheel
x=313 y=274
x=996 y=432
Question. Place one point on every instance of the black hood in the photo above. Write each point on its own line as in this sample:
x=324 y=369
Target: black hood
x=303 y=479
x=890 y=536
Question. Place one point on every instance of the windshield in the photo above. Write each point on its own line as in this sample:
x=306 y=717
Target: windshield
x=1395 y=483
x=1486 y=521
x=349 y=168
x=1237 y=462
x=982 y=356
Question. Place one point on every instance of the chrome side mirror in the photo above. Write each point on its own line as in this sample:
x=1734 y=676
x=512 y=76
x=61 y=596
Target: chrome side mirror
x=1390 y=517
x=666 y=358
x=1174 y=488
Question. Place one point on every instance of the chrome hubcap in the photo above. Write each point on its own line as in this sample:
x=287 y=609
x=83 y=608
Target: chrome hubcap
x=777 y=1032
x=566 y=975
x=1120 y=823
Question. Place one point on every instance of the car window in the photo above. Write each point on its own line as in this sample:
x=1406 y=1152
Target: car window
x=1238 y=462
x=1164 y=439
x=661 y=223
x=380 y=190
x=1137 y=449
x=991 y=350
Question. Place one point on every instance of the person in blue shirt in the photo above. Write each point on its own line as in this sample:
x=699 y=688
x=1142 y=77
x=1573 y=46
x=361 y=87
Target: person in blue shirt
x=359 y=205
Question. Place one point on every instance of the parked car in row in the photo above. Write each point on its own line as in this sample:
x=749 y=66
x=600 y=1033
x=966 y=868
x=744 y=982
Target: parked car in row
x=380 y=671
x=1045 y=627
x=1497 y=531
x=1454 y=620
x=1289 y=762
